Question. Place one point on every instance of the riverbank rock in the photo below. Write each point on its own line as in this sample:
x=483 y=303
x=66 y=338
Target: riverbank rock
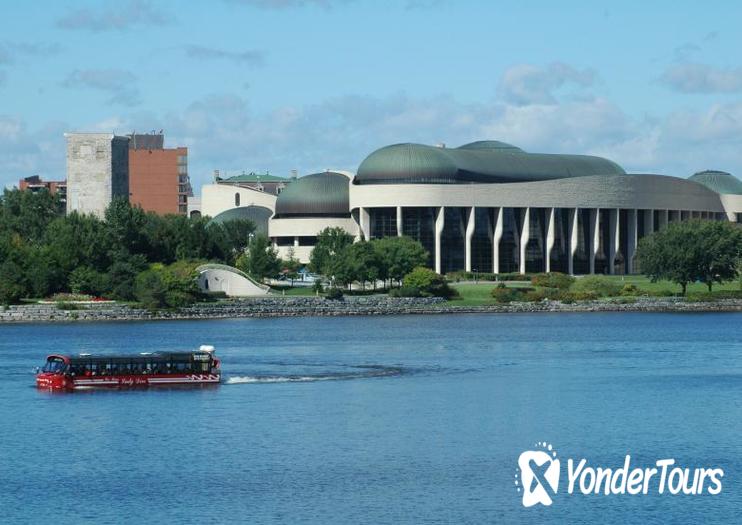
x=349 y=306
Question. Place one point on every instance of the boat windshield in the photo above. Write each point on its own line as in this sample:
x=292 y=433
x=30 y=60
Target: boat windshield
x=54 y=365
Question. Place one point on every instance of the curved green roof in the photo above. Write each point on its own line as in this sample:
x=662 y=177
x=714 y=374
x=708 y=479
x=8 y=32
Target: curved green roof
x=319 y=194
x=719 y=181
x=255 y=177
x=259 y=215
x=489 y=144
x=477 y=162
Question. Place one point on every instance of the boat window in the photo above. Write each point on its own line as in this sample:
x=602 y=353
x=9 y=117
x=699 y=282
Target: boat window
x=54 y=365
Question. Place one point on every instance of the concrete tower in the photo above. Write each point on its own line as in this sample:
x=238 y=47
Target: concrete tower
x=97 y=171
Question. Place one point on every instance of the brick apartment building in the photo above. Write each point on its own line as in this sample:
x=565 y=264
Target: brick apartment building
x=35 y=183
x=158 y=176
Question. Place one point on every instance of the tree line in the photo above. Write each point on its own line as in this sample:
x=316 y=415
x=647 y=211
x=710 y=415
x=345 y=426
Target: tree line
x=343 y=261
x=693 y=251
x=43 y=251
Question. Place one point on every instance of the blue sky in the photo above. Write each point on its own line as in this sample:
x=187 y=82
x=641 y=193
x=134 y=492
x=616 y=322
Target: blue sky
x=313 y=84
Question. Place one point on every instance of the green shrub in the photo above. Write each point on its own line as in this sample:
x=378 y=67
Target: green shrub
x=515 y=276
x=706 y=297
x=665 y=292
x=317 y=287
x=405 y=291
x=588 y=295
x=535 y=296
x=86 y=280
x=171 y=286
x=429 y=283
x=558 y=280
x=630 y=289
x=601 y=286
x=66 y=306
x=503 y=294
x=334 y=294
x=567 y=298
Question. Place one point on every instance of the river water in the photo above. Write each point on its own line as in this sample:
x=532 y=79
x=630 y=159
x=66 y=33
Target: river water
x=409 y=419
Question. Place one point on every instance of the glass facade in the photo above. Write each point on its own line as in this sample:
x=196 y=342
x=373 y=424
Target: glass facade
x=383 y=222
x=536 y=247
x=419 y=223
x=453 y=239
x=509 y=253
x=560 y=250
x=481 y=242
x=581 y=260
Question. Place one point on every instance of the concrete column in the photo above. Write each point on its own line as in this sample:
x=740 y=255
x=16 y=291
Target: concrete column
x=663 y=218
x=632 y=232
x=440 y=217
x=470 y=225
x=594 y=236
x=365 y=220
x=497 y=221
x=296 y=242
x=400 y=228
x=574 y=214
x=550 y=237
x=648 y=222
x=613 y=240
x=525 y=232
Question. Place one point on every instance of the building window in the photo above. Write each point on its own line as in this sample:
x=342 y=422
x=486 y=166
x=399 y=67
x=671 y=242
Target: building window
x=383 y=222
x=182 y=170
x=182 y=199
x=236 y=199
x=284 y=241
x=307 y=241
x=739 y=218
x=182 y=160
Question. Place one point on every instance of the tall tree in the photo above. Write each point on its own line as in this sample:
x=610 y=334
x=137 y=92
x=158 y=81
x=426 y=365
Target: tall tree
x=398 y=256
x=330 y=243
x=260 y=260
x=689 y=251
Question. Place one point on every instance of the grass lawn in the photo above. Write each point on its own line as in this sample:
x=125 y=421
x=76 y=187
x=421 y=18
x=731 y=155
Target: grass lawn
x=645 y=284
x=296 y=290
x=480 y=293
x=474 y=294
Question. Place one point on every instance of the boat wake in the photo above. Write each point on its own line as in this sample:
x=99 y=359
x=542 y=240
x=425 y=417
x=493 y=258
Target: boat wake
x=357 y=372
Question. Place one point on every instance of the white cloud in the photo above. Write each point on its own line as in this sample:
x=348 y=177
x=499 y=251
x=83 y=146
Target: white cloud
x=287 y=4
x=702 y=78
x=526 y=84
x=116 y=16
x=223 y=131
x=118 y=83
x=251 y=56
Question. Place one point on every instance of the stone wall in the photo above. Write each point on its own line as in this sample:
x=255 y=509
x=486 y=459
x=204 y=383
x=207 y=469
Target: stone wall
x=318 y=306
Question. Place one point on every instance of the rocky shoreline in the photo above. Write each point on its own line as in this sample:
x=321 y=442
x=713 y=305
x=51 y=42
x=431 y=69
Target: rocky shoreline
x=350 y=306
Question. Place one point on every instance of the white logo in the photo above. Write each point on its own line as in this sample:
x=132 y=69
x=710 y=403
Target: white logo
x=539 y=475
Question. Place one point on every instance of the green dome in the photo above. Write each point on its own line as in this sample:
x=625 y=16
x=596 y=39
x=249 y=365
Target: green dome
x=487 y=161
x=259 y=215
x=320 y=194
x=489 y=144
x=719 y=181
x=405 y=162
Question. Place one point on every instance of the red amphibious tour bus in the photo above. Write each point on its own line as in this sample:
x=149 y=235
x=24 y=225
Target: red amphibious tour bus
x=145 y=369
